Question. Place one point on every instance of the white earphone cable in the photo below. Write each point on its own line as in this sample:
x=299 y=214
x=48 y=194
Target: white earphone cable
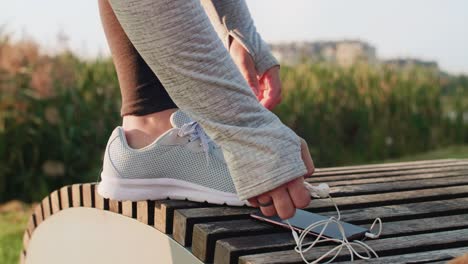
x=323 y=191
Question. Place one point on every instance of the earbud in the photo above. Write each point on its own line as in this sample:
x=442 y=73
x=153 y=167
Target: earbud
x=320 y=191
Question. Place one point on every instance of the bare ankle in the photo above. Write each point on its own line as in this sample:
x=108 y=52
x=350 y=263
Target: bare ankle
x=140 y=131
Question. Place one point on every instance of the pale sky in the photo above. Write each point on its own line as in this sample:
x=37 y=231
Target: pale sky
x=426 y=29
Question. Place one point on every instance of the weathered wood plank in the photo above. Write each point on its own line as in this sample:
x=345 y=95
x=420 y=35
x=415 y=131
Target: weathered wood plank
x=114 y=206
x=76 y=195
x=164 y=212
x=424 y=174
x=364 y=216
x=333 y=171
x=38 y=214
x=228 y=250
x=127 y=208
x=372 y=200
x=374 y=167
x=26 y=238
x=142 y=211
x=384 y=247
x=31 y=224
x=55 y=202
x=424 y=225
x=205 y=235
x=87 y=195
x=64 y=197
x=424 y=257
x=405 y=211
x=98 y=199
x=22 y=259
x=372 y=188
x=184 y=219
x=46 y=210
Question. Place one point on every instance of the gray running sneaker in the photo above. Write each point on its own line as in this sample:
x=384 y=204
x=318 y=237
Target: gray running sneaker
x=183 y=163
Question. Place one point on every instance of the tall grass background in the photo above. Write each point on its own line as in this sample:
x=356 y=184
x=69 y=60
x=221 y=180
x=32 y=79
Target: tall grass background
x=56 y=112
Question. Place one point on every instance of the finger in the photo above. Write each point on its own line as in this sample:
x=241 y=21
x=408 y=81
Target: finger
x=253 y=202
x=307 y=159
x=282 y=201
x=266 y=210
x=299 y=194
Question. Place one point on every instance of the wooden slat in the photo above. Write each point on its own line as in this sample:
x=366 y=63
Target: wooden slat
x=424 y=225
x=87 y=195
x=164 y=212
x=397 y=186
x=405 y=211
x=357 y=216
x=384 y=247
x=46 y=207
x=371 y=200
x=184 y=219
x=55 y=201
x=324 y=172
x=442 y=255
x=22 y=259
x=25 y=240
x=64 y=197
x=38 y=214
x=391 y=177
x=414 y=200
x=98 y=199
x=114 y=206
x=31 y=225
x=76 y=195
x=373 y=167
x=142 y=211
x=229 y=250
x=205 y=235
x=425 y=176
x=127 y=208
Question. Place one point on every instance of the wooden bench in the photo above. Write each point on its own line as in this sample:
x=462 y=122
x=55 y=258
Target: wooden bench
x=424 y=206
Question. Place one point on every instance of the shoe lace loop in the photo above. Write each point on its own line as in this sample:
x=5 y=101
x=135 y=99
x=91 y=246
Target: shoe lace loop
x=195 y=131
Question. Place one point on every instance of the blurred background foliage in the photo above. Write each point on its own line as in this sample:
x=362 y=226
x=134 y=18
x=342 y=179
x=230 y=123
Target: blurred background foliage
x=57 y=111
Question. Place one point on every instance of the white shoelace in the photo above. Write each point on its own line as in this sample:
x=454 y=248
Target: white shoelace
x=195 y=131
x=322 y=191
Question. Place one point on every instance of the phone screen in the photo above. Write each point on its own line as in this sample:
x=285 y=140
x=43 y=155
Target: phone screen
x=302 y=219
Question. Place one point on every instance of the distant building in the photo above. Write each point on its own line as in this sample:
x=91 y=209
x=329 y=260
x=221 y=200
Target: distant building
x=343 y=53
x=410 y=62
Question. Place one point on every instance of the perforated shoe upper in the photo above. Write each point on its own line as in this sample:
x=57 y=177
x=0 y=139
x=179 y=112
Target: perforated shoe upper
x=170 y=156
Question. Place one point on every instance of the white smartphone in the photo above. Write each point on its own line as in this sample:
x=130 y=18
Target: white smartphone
x=302 y=219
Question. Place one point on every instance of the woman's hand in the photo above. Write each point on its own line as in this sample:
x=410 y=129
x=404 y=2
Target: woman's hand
x=267 y=88
x=289 y=196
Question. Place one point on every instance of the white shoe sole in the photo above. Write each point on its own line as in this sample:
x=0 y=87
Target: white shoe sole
x=163 y=188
